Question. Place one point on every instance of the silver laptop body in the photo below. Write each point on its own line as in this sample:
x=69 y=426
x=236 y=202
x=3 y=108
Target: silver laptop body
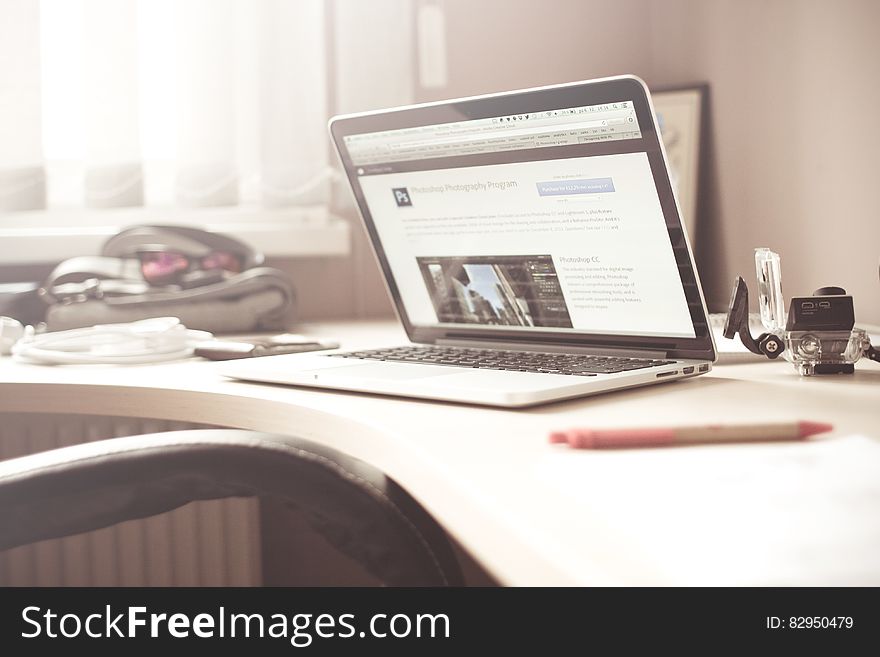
x=532 y=245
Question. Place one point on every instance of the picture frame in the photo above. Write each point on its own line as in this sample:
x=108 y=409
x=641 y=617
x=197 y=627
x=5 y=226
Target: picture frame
x=681 y=114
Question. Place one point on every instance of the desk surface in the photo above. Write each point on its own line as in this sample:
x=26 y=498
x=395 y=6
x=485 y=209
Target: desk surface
x=534 y=513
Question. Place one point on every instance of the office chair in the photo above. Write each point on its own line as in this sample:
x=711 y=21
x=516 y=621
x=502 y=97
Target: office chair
x=353 y=505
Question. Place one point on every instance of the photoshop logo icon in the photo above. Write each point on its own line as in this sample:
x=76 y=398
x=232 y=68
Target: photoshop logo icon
x=401 y=196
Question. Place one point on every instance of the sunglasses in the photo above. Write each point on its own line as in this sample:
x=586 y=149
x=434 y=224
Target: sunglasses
x=166 y=267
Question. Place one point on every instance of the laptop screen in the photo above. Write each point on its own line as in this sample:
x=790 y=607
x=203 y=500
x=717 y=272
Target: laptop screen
x=545 y=220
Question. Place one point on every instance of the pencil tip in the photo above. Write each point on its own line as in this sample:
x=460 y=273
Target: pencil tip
x=558 y=437
x=808 y=429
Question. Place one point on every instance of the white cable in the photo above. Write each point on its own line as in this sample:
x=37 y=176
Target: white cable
x=11 y=331
x=146 y=341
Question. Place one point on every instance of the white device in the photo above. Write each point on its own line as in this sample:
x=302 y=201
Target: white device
x=532 y=245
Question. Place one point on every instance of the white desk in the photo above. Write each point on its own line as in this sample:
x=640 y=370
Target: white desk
x=533 y=513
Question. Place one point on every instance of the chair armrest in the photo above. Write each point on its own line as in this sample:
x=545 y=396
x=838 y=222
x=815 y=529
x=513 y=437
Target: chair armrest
x=352 y=504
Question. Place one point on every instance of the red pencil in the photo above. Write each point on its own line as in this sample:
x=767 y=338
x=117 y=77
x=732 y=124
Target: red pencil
x=666 y=437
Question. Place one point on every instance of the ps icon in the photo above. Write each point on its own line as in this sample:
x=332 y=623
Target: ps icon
x=401 y=196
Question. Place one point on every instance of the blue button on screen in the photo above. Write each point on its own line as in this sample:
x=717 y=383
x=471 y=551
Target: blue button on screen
x=570 y=187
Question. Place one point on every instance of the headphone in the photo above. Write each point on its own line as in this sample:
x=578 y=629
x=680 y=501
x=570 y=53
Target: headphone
x=117 y=272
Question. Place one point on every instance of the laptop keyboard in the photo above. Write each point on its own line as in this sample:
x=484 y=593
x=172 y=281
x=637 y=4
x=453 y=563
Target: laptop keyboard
x=514 y=361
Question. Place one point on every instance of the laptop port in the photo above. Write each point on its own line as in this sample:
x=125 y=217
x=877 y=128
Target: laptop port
x=662 y=374
x=704 y=368
x=687 y=370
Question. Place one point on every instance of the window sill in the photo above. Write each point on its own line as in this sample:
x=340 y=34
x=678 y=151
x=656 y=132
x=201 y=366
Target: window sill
x=53 y=235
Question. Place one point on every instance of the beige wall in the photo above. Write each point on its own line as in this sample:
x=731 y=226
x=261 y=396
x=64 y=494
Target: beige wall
x=494 y=45
x=795 y=97
x=793 y=138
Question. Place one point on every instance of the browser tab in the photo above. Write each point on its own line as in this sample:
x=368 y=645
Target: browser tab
x=560 y=127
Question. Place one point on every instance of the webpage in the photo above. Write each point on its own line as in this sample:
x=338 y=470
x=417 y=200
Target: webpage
x=576 y=244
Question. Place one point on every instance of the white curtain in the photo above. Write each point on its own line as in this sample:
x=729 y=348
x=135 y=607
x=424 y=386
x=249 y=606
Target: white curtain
x=187 y=103
x=22 y=180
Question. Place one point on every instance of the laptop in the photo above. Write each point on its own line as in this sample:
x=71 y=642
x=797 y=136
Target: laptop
x=531 y=243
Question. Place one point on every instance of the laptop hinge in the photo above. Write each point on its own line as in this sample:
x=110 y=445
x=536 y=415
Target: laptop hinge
x=565 y=349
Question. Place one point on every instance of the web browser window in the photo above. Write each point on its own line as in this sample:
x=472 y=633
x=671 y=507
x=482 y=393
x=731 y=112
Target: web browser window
x=574 y=243
x=560 y=127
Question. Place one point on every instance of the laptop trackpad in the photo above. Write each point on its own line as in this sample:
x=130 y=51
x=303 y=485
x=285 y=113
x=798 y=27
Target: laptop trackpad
x=384 y=371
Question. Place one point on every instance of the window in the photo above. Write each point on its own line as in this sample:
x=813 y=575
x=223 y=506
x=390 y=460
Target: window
x=119 y=103
x=210 y=112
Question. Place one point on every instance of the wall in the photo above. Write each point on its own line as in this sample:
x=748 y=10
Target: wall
x=495 y=45
x=795 y=92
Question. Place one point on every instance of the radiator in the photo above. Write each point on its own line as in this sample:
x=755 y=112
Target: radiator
x=212 y=543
